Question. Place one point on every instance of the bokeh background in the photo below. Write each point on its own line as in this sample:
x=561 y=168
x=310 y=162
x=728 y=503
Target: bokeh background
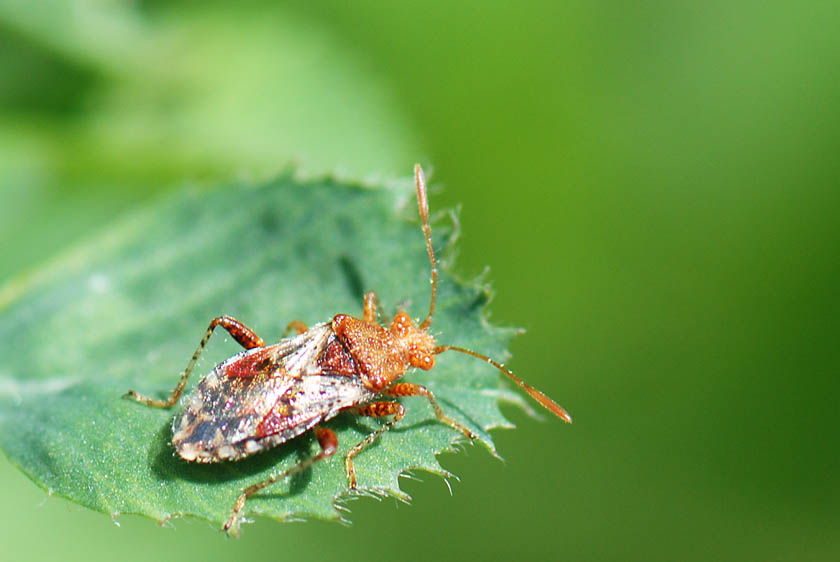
x=655 y=186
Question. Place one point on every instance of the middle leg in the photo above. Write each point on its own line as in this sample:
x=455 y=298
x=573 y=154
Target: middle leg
x=373 y=410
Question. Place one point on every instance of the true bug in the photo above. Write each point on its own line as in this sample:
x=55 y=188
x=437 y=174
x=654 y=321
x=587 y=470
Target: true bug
x=269 y=394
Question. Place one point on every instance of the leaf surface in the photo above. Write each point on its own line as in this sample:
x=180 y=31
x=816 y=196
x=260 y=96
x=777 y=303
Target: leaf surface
x=127 y=309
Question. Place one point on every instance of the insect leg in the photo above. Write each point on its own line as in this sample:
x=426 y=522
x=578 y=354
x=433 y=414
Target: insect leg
x=329 y=444
x=374 y=410
x=409 y=389
x=243 y=335
x=371 y=302
x=296 y=325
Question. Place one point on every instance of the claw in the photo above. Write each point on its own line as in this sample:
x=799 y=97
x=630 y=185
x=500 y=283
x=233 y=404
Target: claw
x=232 y=527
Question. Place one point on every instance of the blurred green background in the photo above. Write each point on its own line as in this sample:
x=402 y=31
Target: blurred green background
x=654 y=185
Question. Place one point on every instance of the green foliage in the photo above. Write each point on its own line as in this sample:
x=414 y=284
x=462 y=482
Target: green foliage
x=243 y=91
x=127 y=309
x=102 y=104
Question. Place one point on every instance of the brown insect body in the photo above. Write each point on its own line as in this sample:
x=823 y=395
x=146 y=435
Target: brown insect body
x=265 y=396
x=269 y=394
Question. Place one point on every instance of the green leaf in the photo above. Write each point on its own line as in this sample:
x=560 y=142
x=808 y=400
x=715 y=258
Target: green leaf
x=127 y=309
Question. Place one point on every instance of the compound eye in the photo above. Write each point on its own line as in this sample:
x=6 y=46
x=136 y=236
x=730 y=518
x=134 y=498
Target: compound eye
x=402 y=322
x=426 y=362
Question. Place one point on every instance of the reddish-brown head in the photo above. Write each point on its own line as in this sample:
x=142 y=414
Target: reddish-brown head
x=416 y=345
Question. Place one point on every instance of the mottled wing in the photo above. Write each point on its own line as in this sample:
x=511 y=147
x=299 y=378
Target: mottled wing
x=309 y=400
x=221 y=418
x=329 y=383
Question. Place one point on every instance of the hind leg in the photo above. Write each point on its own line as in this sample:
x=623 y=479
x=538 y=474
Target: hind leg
x=328 y=442
x=243 y=335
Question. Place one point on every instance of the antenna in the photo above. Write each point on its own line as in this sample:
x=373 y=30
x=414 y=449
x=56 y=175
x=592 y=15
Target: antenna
x=423 y=205
x=547 y=402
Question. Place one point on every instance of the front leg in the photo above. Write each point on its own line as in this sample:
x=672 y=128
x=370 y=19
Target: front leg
x=410 y=389
x=243 y=335
x=295 y=325
x=371 y=302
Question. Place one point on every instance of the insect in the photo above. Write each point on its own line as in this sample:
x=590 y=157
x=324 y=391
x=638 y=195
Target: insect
x=269 y=394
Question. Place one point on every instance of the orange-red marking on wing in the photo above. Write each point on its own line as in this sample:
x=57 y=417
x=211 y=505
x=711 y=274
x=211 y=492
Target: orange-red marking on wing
x=260 y=362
